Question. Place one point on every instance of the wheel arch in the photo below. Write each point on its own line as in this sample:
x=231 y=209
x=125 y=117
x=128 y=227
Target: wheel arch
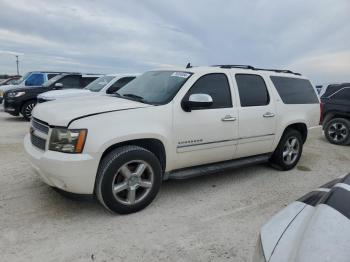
x=299 y=126
x=152 y=144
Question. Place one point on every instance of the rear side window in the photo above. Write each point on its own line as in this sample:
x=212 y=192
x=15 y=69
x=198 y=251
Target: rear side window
x=252 y=90
x=70 y=81
x=216 y=85
x=295 y=90
x=87 y=80
x=343 y=94
x=49 y=76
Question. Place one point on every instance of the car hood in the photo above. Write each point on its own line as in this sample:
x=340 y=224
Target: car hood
x=58 y=94
x=5 y=88
x=63 y=111
x=314 y=228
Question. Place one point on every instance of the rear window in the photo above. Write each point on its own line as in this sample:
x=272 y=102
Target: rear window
x=295 y=90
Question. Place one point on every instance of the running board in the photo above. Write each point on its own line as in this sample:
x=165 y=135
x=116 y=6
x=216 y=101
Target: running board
x=215 y=167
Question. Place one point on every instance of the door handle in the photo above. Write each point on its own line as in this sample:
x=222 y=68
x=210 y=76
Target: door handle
x=228 y=118
x=268 y=114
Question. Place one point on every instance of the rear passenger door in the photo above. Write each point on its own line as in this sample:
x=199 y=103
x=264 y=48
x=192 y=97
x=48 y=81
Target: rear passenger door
x=257 y=121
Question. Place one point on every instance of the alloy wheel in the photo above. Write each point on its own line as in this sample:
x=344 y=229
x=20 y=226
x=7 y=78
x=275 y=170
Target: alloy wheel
x=291 y=150
x=133 y=182
x=338 y=132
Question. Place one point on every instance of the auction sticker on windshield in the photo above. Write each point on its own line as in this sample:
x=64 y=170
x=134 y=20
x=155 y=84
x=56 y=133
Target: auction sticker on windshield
x=181 y=74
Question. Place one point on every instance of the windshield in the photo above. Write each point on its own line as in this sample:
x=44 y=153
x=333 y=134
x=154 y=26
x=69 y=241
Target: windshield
x=53 y=80
x=22 y=79
x=99 y=83
x=155 y=87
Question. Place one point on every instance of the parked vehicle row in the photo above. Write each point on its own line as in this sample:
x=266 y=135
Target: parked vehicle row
x=173 y=123
x=108 y=84
x=34 y=78
x=22 y=100
x=10 y=80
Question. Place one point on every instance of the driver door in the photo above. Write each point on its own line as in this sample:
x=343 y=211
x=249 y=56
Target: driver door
x=207 y=135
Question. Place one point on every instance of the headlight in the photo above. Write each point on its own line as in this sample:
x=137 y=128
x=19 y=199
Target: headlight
x=67 y=141
x=15 y=94
x=259 y=252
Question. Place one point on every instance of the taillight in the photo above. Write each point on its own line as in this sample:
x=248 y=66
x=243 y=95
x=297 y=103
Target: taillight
x=321 y=112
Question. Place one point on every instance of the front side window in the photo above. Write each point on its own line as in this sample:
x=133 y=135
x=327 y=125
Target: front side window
x=99 y=83
x=154 y=87
x=295 y=90
x=35 y=80
x=217 y=86
x=252 y=90
x=119 y=84
x=343 y=94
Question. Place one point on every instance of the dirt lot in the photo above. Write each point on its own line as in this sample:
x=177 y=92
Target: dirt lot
x=213 y=218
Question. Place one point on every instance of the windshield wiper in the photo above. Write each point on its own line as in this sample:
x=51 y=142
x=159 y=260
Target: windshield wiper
x=132 y=97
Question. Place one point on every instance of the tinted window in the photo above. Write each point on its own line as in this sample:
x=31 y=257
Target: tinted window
x=99 y=83
x=343 y=94
x=119 y=84
x=215 y=85
x=49 y=76
x=295 y=90
x=35 y=80
x=87 y=80
x=70 y=81
x=252 y=90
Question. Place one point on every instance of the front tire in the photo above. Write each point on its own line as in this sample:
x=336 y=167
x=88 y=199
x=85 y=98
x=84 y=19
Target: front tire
x=27 y=109
x=288 y=151
x=128 y=179
x=337 y=131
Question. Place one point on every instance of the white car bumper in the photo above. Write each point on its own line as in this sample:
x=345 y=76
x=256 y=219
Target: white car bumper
x=73 y=173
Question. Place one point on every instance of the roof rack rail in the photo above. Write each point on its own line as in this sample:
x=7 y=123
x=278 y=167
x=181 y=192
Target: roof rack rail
x=279 y=71
x=235 y=66
x=257 y=69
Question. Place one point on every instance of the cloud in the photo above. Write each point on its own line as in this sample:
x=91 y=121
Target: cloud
x=115 y=36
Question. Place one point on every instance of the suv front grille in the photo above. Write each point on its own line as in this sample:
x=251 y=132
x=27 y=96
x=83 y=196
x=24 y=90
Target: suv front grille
x=39 y=133
x=38 y=141
x=40 y=125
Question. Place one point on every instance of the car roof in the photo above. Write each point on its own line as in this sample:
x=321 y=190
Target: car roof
x=235 y=69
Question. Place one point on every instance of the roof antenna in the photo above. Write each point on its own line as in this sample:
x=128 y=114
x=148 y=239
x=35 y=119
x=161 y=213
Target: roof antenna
x=188 y=65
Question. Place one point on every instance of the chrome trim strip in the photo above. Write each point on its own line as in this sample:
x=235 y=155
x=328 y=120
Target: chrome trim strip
x=222 y=141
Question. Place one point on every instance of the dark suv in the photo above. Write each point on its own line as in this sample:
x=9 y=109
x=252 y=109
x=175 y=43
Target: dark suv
x=336 y=114
x=22 y=100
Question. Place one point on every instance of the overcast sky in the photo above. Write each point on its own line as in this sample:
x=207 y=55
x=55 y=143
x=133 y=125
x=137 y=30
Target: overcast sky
x=114 y=36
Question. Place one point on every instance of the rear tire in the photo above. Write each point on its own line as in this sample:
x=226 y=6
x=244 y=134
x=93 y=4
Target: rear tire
x=27 y=109
x=288 y=151
x=128 y=179
x=337 y=131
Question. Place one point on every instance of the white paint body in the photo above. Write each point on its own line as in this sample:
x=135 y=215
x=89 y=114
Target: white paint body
x=251 y=133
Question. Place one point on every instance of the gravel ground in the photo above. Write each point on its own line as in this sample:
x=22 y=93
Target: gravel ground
x=212 y=218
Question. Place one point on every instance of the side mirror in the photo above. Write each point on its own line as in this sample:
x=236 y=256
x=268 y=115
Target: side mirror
x=58 y=86
x=197 y=101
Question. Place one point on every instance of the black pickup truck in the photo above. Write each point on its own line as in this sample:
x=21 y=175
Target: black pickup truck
x=22 y=100
x=335 y=104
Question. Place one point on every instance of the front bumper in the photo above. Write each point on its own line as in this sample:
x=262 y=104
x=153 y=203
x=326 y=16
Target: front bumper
x=11 y=107
x=74 y=173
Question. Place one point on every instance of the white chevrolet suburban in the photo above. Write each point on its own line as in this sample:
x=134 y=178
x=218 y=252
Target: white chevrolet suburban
x=172 y=123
